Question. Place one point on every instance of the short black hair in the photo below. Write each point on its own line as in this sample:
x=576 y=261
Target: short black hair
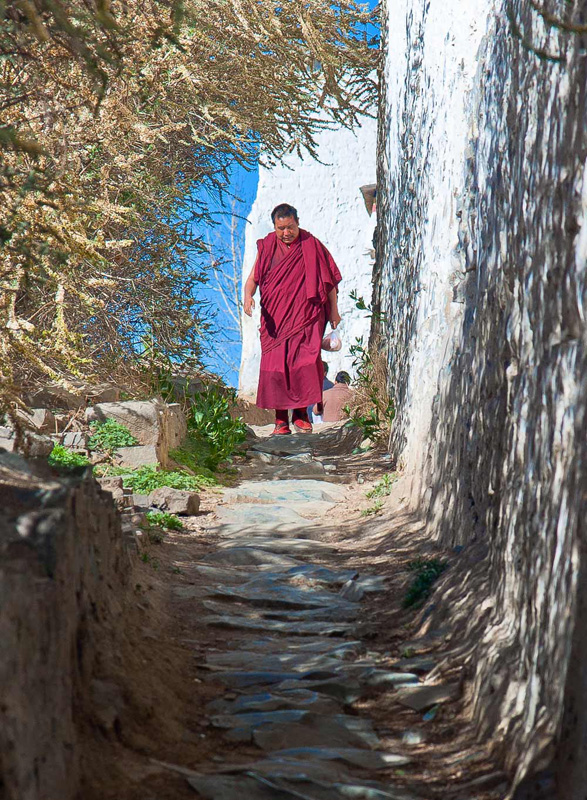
x=325 y=367
x=282 y=211
x=342 y=377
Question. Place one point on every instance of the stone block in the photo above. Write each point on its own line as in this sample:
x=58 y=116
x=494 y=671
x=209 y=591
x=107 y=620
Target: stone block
x=7 y=436
x=175 y=427
x=141 y=417
x=151 y=422
x=35 y=445
x=114 y=486
x=139 y=456
x=141 y=501
x=54 y=396
x=40 y=419
x=75 y=440
x=175 y=501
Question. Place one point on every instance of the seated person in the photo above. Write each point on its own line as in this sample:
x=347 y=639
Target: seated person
x=335 y=399
x=326 y=384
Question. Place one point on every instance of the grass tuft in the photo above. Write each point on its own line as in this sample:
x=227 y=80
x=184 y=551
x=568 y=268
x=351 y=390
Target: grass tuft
x=427 y=571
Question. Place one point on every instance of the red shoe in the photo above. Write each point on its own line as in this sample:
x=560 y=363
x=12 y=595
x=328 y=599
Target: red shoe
x=281 y=429
x=302 y=426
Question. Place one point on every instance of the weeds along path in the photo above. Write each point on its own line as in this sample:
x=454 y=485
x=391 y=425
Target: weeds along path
x=282 y=660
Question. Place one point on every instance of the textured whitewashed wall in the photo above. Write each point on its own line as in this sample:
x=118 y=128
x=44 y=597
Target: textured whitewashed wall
x=331 y=207
x=482 y=280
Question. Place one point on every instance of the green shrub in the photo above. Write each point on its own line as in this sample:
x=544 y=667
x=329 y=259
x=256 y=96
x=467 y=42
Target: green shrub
x=427 y=570
x=374 y=509
x=213 y=430
x=164 y=520
x=383 y=487
x=110 y=435
x=145 y=480
x=64 y=459
x=196 y=454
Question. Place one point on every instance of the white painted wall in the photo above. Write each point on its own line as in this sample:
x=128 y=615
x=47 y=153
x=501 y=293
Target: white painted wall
x=441 y=41
x=331 y=207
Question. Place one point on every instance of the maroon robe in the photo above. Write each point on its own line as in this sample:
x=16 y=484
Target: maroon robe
x=294 y=284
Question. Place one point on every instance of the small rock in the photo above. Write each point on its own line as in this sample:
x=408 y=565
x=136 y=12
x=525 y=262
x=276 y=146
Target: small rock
x=41 y=419
x=366 y=444
x=75 y=440
x=37 y=445
x=113 y=485
x=61 y=420
x=175 y=501
x=141 y=501
x=422 y=697
x=141 y=456
x=330 y=467
x=352 y=591
x=412 y=737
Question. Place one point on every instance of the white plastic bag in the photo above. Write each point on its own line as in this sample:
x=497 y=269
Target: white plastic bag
x=332 y=342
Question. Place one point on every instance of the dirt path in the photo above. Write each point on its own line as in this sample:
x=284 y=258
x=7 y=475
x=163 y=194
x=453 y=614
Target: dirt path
x=274 y=658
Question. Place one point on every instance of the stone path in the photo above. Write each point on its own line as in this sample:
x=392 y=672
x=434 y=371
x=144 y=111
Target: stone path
x=295 y=663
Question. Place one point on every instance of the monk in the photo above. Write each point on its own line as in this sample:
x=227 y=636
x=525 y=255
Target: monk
x=298 y=281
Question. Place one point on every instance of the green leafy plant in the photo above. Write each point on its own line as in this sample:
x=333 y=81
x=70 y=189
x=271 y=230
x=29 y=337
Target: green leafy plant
x=374 y=509
x=372 y=410
x=195 y=454
x=212 y=427
x=110 y=435
x=164 y=520
x=145 y=480
x=66 y=460
x=146 y=558
x=383 y=487
x=427 y=571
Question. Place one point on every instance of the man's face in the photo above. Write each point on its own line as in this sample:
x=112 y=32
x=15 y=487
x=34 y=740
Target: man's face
x=287 y=229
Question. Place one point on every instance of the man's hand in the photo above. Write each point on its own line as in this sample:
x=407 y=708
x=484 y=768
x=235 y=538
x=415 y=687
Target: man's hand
x=334 y=319
x=248 y=306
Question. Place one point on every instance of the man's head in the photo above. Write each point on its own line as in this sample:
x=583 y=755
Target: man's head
x=286 y=223
x=342 y=377
x=325 y=367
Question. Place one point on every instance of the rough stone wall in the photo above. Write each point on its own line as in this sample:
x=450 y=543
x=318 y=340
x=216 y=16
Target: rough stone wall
x=482 y=278
x=63 y=571
x=327 y=197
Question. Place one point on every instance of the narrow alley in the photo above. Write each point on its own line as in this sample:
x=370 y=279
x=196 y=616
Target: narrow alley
x=308 y=676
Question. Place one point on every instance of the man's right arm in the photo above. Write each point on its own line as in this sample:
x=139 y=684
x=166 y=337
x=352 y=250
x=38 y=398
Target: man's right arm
x=250 y=289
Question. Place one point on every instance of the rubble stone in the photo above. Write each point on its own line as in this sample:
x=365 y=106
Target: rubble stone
x=175 y=501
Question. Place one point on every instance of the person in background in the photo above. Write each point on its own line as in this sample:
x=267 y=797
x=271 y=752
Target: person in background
x=326 y=384
x=334 y=400
x=298 y=280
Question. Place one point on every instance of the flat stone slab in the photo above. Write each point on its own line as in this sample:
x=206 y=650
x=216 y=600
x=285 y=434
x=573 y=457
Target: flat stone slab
x=314 y=573
x=308 y=547
x=251 y=660
x=300 y=699
x=314 y=646
x=252 y=515
x=421 y=697
x=345 y=690
x=285 y=492
x=269 y=592
x=367 y=759
x=314 y=730
x=296 y=629
x=418 y=664
x=284 y=445
x=250 y=556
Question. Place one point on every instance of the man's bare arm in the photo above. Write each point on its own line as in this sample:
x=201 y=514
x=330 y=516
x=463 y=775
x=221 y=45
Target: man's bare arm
x=250 y=289
x=334 y=316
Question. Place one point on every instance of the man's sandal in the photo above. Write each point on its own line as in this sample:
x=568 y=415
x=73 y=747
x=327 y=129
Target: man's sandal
x=281 y=429
x=302 y=426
